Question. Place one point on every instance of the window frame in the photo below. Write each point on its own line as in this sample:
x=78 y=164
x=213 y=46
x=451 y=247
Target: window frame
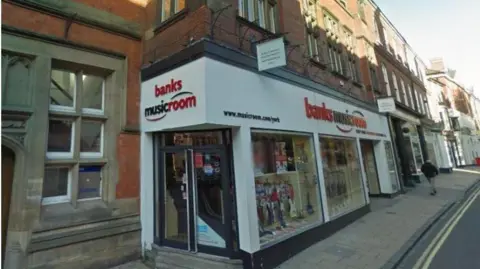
x=395 y=86
x=60 y=199
x=173 y=5
x=266 y=10
x=94 y=111
x=60 y=108
x=100 y=186
x=386 y=80
x=90 y=155
x=75 y=158
x=58 y=154
x=404 y=91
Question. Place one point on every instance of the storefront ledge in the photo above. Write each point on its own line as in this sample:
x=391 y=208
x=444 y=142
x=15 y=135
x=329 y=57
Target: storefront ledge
x=62 y=237
x=446 y=170
x=386 y=195
x=273 y=256
x=165 y=257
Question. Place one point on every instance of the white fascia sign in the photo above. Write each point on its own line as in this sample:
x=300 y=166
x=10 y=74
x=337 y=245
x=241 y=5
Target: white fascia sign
x=386 y=104
x=271 y=54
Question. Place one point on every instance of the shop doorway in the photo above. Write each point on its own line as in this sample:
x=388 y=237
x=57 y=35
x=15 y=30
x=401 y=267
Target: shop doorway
x=196 y=194
x=368 y=154
x=8 y=164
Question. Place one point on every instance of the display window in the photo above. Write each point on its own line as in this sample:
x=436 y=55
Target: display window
x=391 y=165
x=286 y=182
x=342 y=175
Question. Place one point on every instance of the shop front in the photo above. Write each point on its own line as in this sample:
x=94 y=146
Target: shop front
x=244 y=166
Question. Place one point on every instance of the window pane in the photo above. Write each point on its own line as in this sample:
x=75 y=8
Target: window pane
x=286 y=184
x=166 y=9
x=91 y=136
x=89 y=182
x=55 y=182
x=342 y=175
x=59 y=136
x=180 y=5
x=62 y=88
x=92 y=95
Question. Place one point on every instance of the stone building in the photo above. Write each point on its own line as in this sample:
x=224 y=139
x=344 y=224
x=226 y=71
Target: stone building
x=70 y=162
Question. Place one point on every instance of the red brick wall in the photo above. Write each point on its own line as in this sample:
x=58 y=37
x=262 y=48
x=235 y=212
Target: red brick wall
x=231 y=31
x=128 y=155
x=48 y=25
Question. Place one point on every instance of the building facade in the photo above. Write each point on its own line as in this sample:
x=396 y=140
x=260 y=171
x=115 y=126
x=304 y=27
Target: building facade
x=254 y=166
x=401 y=77
x=70 y=166
x=461 y=130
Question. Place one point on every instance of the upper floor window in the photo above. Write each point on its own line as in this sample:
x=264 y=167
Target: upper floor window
x=417 y=97
x=376 y=30
x=410 y=95
x=261 y=12
x=386 y=80
x=404 y=91
x=336 y=59
x=395 y=86
x=349 y=42
x=331 y=25
x=312 y=45
x=169 y=8
x=373 y=76
x=361 y=9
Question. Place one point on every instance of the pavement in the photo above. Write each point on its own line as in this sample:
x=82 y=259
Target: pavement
x=382 y=238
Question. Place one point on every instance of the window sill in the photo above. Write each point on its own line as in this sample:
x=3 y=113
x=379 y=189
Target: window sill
x=170 y=21
x=62 y=215
x=255 y=27
x=339 y=75
x=358 y=84
x=318 y=64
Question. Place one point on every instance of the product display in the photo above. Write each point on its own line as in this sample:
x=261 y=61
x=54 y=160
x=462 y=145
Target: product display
x=286 y=184
x=342 y=175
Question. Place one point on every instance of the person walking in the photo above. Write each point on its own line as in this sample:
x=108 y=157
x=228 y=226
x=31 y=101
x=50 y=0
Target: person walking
x=430 y=171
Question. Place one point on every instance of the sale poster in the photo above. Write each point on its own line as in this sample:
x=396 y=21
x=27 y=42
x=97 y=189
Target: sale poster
x=198 y=160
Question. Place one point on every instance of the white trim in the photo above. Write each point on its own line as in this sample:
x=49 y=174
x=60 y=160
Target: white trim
x=95 y=111
x=62 y=198
x=62 y=155
x=102 y=138
x=61 y=108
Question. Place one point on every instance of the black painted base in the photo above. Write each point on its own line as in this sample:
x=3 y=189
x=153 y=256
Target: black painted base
x=273 y=256
x=416 y=179
x=445 y=170
x=385 y=195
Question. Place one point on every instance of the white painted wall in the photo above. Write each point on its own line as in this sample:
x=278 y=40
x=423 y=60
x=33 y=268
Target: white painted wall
x=220 y=87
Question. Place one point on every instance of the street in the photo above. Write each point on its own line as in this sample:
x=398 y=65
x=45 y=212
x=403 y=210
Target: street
x=454 y=242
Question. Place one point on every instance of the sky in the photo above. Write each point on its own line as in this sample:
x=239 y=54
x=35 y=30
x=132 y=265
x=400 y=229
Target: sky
x=441 y=28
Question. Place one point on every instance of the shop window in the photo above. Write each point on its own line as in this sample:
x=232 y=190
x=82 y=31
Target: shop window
x=286 y=182
x=76 y=130
x=342 y=175
x=392 y=170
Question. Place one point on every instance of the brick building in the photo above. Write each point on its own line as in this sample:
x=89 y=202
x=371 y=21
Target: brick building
x=70 y=166
x=311 y=124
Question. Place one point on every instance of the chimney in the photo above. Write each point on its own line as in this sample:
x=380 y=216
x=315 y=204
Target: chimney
x=437 y=64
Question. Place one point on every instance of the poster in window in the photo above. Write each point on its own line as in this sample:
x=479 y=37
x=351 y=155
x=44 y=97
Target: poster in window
x=258 y=158
x=281 y=157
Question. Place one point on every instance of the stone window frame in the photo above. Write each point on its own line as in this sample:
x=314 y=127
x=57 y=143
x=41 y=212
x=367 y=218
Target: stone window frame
x=77 y=115
x=41 y=54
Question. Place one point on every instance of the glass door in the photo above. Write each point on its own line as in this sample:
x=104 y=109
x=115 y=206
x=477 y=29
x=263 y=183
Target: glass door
x=196 y=208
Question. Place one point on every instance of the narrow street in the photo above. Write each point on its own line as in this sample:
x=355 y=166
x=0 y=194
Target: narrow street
x=454 y=242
